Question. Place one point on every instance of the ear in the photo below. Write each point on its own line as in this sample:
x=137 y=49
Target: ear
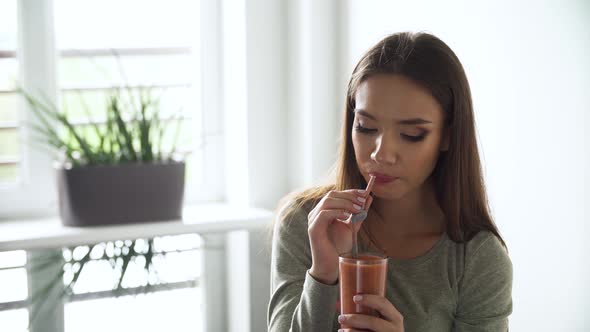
x=444 y=144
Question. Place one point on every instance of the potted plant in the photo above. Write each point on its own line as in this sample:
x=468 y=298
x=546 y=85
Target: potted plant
x=116 y=171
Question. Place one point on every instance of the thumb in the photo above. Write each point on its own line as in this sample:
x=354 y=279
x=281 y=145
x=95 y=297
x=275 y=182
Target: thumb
x=359 y=222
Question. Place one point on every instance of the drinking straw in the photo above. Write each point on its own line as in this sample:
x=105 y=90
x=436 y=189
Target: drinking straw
x=358 y=217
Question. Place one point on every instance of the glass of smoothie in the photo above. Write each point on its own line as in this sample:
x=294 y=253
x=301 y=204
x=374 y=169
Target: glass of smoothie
x=365 y=274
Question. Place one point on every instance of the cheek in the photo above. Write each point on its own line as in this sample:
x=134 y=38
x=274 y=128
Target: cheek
x=419 y=159
x=422 y=159
x=362 y=148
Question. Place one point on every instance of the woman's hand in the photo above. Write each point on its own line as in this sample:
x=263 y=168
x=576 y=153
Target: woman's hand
x=330 y=233
x=391 y=320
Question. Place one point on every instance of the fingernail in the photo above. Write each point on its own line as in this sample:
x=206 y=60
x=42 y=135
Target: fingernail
x=361 y=191
x=357 y=298
x=361 y=199
x=358 y=207
x=341 y=318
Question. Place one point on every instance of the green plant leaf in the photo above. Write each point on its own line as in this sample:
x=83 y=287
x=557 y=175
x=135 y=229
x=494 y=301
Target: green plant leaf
x=124 y=139
x=133 y=132
x=84 y=146
x=86 y=109
x=176 y=134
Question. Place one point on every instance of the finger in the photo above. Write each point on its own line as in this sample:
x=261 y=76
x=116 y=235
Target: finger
x=343 y=203
x=359 y=321
x=358 y=217
x=353 y=195
x=362 y=215
x=387 y=310
x=350 y=330
x=333 y=200
x=348 y=193
x=351 y=202
x=320 y=224
x=368 y=199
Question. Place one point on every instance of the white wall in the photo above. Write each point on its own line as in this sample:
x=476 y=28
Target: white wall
x=528 y=64
x=254 y=101
x=315 y=91
x=255 y=121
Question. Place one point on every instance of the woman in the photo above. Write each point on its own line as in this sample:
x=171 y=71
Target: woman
x=409 y=122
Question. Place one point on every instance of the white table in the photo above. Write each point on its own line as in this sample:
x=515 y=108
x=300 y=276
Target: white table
x=234 y=278
x=201 y=219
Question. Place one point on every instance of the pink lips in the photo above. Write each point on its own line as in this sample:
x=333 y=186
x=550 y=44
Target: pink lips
x=382 y=178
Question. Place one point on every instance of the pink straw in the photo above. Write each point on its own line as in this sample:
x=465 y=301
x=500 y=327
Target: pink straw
x=364 y=213
x=369 y=188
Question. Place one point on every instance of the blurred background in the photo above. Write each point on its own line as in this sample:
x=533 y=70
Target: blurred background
x=260 y=85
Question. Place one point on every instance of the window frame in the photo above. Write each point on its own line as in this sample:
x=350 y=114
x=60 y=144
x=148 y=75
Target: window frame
x=35 y=192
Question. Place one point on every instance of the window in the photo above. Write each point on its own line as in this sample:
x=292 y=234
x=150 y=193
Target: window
x=169 y=288
x=9 y=133
x=100 y=46
x=173 y=301
x=157 y=49
x=13 y=291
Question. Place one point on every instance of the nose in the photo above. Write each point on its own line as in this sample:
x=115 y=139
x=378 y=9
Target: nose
x=385 y=151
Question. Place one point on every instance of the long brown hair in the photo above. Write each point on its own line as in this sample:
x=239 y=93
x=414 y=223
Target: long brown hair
x=457 y=176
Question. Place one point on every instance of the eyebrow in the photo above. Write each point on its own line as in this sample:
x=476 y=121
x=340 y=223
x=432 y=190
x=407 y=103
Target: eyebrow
x=413 y=121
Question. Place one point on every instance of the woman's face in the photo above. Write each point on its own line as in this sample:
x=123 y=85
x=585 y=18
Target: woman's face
x=397 y=134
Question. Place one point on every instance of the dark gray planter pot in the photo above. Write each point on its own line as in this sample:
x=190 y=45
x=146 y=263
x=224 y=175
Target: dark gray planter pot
x=121 y=194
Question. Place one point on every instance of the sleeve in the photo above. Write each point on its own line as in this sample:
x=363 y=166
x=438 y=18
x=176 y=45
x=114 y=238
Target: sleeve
x=485 y=290
x=298 y=302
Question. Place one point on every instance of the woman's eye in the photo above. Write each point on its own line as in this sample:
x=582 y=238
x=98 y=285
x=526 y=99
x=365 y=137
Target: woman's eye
x=364 y=130
x=411 y=138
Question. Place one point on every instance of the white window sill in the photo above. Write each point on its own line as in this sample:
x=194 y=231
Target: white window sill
x=201 y=219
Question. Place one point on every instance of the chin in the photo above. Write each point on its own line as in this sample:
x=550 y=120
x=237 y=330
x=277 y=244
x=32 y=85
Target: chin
x=388 y=195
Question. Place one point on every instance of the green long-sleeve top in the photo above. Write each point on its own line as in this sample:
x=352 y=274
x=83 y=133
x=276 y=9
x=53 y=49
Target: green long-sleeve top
x=453 y=287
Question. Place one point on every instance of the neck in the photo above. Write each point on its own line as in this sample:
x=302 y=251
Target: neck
x=417 y=212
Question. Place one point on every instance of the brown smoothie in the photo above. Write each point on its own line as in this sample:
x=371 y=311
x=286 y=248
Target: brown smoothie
x=365 y=274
